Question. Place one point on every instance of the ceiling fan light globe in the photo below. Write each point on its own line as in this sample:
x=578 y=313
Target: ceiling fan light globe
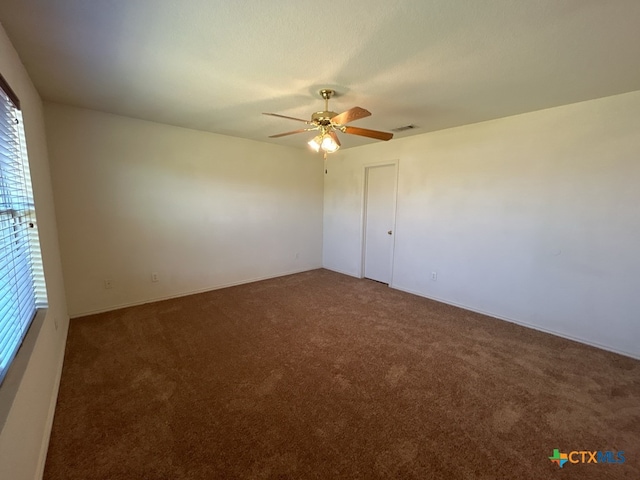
x=329 y=145
x=315 y=143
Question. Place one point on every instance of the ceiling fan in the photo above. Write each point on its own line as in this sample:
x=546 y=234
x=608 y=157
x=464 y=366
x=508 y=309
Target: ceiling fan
x=327 y=123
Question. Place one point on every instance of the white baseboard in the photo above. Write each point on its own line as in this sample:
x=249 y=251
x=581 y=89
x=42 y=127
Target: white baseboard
x=521 y=323
x=42 y=459
x=350 y=274
x=192 y=292
x=392 y=285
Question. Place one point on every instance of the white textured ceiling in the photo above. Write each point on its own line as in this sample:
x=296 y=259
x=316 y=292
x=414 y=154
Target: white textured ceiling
x=217 y=65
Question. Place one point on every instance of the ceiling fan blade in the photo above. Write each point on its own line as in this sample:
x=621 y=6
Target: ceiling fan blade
x=290 y=118
x=291 y=133
x=355 y=113
x=334 y=135
x=364 y=132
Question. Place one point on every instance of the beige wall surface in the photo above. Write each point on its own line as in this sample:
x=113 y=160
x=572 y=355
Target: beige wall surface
x=200 y=210
x=532 y=218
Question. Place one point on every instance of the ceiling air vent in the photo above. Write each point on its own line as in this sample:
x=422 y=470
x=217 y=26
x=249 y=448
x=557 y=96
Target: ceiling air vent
x=404 y=128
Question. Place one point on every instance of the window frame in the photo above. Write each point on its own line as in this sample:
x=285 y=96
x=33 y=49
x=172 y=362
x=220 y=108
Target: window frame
x=20 y=256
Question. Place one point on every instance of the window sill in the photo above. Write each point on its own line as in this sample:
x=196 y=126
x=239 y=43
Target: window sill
x=13 y=379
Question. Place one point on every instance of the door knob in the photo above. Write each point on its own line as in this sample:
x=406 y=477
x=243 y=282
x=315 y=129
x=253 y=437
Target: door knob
x=389 y=232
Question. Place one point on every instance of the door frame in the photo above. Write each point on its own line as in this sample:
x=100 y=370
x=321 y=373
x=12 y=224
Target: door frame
x=363 y=212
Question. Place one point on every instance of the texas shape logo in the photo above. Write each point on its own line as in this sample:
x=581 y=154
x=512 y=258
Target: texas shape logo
x=559 y=458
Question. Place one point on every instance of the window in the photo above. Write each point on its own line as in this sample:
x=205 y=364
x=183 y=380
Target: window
x=22 y=288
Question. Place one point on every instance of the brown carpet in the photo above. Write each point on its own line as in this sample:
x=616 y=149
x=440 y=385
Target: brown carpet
x=320 y=375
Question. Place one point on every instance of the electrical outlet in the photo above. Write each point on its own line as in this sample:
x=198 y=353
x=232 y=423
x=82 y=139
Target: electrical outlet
x=154 y=277
x=434 y=276
x=107 y=283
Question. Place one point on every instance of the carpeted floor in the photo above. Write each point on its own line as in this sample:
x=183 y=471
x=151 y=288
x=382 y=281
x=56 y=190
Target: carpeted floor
x=320 y=375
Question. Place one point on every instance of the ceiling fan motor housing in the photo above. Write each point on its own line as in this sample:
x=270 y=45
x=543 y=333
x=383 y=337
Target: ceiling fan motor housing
x=323 y=118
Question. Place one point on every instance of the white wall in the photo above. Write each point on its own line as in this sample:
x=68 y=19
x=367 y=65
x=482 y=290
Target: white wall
x=27 y=396
x=202 y=210
x=533 y=218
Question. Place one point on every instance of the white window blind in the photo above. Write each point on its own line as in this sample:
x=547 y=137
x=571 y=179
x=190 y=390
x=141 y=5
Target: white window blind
x=22 y=286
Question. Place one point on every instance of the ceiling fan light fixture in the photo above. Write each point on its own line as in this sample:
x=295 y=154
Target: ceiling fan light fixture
x=329 y=145
x=315 y=143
